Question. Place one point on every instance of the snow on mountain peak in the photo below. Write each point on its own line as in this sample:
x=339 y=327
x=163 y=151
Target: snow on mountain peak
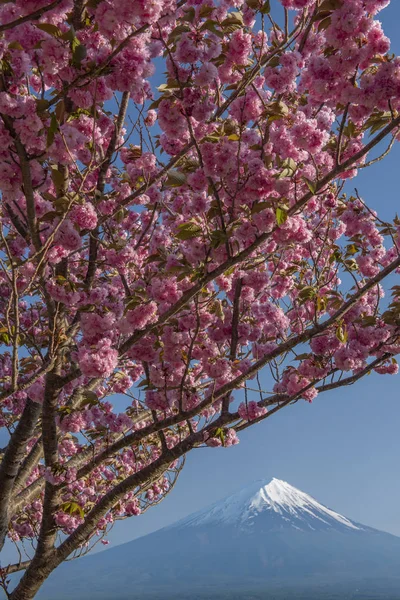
x=277 y=501
x=281 y=497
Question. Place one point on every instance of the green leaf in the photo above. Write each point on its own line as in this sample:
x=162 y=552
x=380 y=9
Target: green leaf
x=289 y=169
x=49 y=216
x=210 y=25
x=335 y=256
x=42 y=104
x=61 y=204
x=64 y=411
x=220 y=434
x=274 y=61
x=15 y=46
x=342 y=333
x=69 y=35
x=321 y=304
x=135 y=152
x=281 y=216
x=324 y=24
x=162 y=87
x=212 y=138
x=229 y=271
x=154 y=258
x=57 y=177
x=369 y=321
x=350 y=130
x=330 y=5
x=177 y=32
x=5 y=67
x=352 y=249
x=266 y=8
x=278 y=108
x=156 y=103
x=71 y=508
x=90 y=398
x=253 y=4
x=351 y=264
x=60 y=111
x=213 y=211
x=216 y=309
x=302 y=356
x=285 y=173
x=307 y=293
x=53 y=128
x=134 y=302
x=50 y=29
x=289 y=163
x=5 y=338
x=175 y=178
x=233 y=18
x=259 y=207
x=218 y=238
x=143 y=383
x=379 y=124
x=176 y=269
x=312 y=186
x=79 y=52
x=189 y=230
x=189 y=15
x=206 y=11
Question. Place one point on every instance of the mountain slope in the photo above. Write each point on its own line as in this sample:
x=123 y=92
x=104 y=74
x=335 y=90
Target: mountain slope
x=269 y=536
x=276 y=498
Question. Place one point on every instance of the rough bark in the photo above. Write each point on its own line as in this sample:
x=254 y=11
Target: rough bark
x=12 y=460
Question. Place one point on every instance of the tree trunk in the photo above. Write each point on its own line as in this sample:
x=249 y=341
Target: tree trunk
x=34 y=577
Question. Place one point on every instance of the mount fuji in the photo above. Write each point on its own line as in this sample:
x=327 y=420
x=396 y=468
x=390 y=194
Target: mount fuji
x=266 y=507
x=269 y=540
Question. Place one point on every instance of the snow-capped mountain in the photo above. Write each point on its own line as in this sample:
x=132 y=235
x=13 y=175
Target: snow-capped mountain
x=268 y=536
x=270 y=503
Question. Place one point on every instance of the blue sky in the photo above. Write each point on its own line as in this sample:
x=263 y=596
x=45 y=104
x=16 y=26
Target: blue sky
x=343 y=449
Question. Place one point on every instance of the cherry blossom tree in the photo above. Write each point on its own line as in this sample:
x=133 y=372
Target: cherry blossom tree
x=178 y=264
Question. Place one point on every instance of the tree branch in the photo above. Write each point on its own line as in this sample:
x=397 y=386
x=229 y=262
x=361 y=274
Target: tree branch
x=234 y=335
x=238 y=381
x=26 y=183
x=28 y=465
x=94 y=243
x=39 y=568
x=238 y=258
x=33 y=16
x=283 y=400
x=12 y=458
x=21 y=566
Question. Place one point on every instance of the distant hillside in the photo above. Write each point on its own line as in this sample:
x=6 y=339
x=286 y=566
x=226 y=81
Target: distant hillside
x=267 y=541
